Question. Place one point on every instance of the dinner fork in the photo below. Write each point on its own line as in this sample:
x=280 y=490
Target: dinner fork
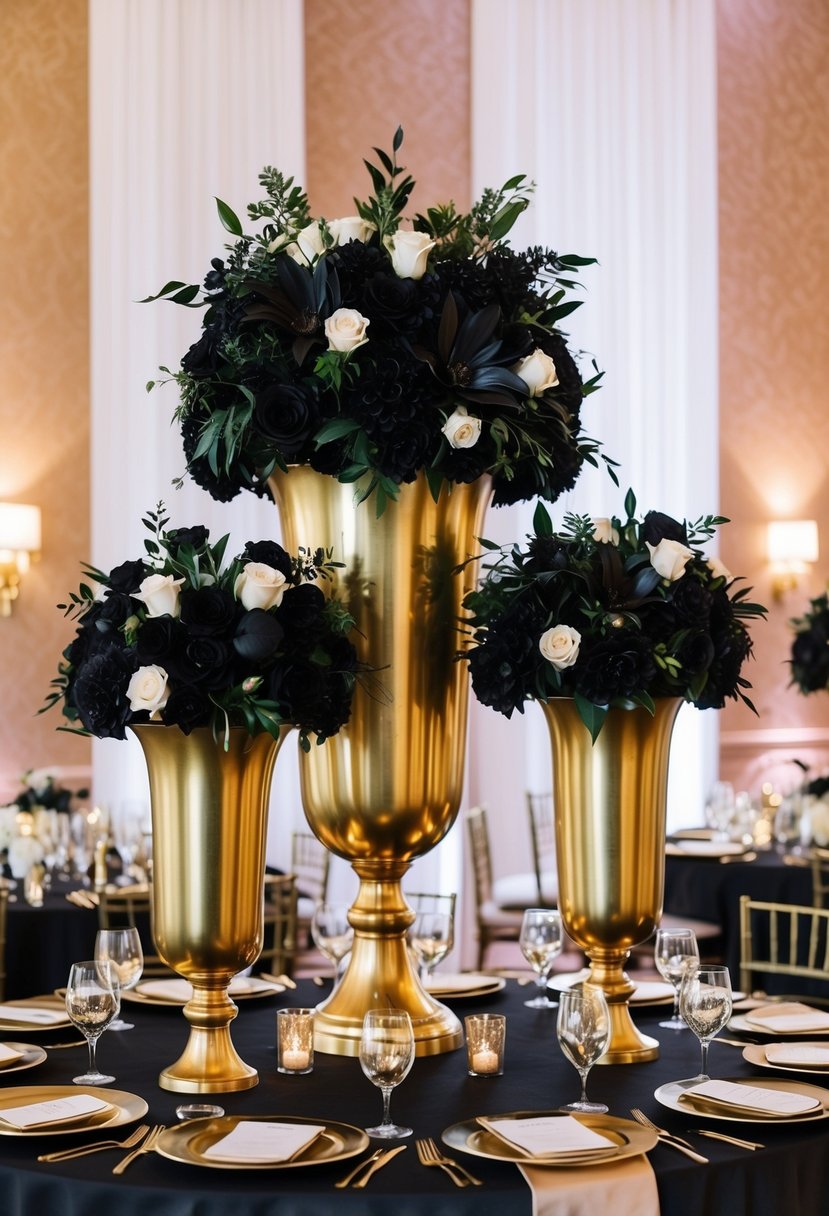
x=668 y=1138
x=428 y=1154
x=147 y=1147
x=67 y=1154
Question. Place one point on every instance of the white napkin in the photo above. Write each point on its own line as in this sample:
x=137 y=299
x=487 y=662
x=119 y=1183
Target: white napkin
x=548 y=1135
x=8 y=1055
x=789 y=1016
x=30 y=1013
x=182 y=990
x=57 y=1110
x=711 y=848
x=801 y=1054
x=260 y=1141
x=646 y=990
x=462 y=982
x=625 y=1188
x=752 y=1098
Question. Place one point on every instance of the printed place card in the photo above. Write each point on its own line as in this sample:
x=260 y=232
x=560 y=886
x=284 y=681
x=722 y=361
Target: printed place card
x=56 y=1110
x=263 y=1141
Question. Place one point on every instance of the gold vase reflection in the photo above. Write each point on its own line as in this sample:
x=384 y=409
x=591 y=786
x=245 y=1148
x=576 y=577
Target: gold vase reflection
x=387 y=788
x=209 y=812
x=610 y=799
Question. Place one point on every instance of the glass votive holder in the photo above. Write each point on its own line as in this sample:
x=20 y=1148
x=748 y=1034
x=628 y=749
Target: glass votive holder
x=294 y=1040
x=485 y=1036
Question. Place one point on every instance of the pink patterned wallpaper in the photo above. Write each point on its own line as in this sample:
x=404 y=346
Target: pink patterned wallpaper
x=774 y=340
x=44 y=362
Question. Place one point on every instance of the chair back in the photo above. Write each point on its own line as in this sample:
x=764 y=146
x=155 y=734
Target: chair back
x=4 y=911
x=479 y=851
x=310 y=865
x=820 y=877
x=782 y=939
x=424 y=901
x=280 y=924
x=131 y=908
x=543 y=837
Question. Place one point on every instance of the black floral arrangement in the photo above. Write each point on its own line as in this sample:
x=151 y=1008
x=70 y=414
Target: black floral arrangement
x=174 y=637
x=609 y=612
x=370 y=350
x=810 y=648
x=43 y=791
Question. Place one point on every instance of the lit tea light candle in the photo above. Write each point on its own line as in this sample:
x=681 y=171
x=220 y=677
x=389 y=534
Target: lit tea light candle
x=295 y=1058
x=485 y=1061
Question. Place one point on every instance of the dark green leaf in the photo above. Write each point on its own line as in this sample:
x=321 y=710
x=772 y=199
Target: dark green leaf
x=542 y=524
x=592 y=716
x=229 y=218
x=398 y=139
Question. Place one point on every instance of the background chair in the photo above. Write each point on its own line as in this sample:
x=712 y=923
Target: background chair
x=280 y=925
x=543 y=837
x=820 y=877
x=131 y=908
x=310 y=866
x=790 y=940
x=494 y=922
x=4 y=909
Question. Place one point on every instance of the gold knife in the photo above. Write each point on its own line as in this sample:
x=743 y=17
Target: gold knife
x=384 y=1159
x=342 y=1182
x=753 y=1145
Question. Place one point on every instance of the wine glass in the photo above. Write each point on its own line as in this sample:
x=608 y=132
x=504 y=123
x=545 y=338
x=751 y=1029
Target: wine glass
x=121 y=948
x=719 y=808
x=92 y=1001
x=431 y=938
x=583 y=1029
x=541 y=943
x=332 y=933
x=387 y=1052
x=675 y=949
x=705 y=1002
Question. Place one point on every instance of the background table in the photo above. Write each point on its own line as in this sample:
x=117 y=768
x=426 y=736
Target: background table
x=791 y=1175
x=42 y=943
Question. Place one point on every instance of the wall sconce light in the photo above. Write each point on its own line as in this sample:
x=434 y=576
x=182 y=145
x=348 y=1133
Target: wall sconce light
x=19 y=543
x=792 y=546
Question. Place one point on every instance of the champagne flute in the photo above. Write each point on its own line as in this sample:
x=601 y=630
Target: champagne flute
x=431 y=939
x=705 y=1002
x=121 y=948
x=674 y=950
x=541 y=943
x=387 y=1052
x=583 y=1030
x=332 y=934
x=92 y=1001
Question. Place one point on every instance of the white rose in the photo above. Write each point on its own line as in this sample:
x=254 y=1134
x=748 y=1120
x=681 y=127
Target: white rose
x=8 y=824
x=351 y=228
x=260 y=586
x=309 y=243
x=24 y=852
x=560 y=646
x=346 y=329
x=819 y=814
x=409 y=252
x=669 y=558
x=279 y=243
x=148 y=690
x=39 y=779
x=463 y=430
x=604 y=532
x=718 y=569
x=537 y=371
x=159 y=593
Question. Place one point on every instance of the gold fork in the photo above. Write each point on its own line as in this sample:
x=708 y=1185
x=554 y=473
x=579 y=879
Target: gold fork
x=147 y=1147
x=67 y=1154
x=428 y=1154
x=668 y=1138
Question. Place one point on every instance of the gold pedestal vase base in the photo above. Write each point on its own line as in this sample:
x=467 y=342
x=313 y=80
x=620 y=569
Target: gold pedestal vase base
x=209 y=1063
x=626 y=1044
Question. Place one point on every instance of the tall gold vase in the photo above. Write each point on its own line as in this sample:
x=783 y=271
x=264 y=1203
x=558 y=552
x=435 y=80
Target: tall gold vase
x=209 y=812
x=610 y=799
x=387 y=788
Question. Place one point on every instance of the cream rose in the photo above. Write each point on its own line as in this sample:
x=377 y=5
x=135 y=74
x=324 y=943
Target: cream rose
x=148 y=689
x=260 y=586
x=159 y=594
x=669 y=558
x=560 y=646
x=604 y=532
x=409 y=252
x=309 y=242
x=463 y=430
x=537 y=371
x=718 y=569
x=351 y=228
x=346 y=329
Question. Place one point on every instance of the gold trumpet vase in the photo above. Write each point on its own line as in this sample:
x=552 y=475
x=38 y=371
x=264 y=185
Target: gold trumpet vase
x=610 y=798
x=387 y=788
x=209 y=814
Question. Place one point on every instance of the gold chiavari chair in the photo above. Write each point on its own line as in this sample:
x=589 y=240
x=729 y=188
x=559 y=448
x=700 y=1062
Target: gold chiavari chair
x=783 y=939
x=310 y=865
x=131 y=908
x=543 y=838
x=4 y=910
x=280 y=925
x=819 y=863
x=493 y=921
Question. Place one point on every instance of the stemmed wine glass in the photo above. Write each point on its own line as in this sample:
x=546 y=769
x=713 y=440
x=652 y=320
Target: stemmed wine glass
x=92 y=1001
x=431 y=938
x=121 y=948
x=705 y=1002
x=675 y=949
x=583 y=1029
x=332 y=933
x=541 y=943
x=387 y=1051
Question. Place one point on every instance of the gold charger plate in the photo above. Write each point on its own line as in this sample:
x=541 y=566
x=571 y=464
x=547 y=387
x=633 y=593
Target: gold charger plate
x=126 y=1108
x=48 y=1001
x=668 y=1095
x=629 y=1140
x=445 y=990
x=175 y=1002
x=755 y=1053
x=187 y=1142
x=31 y=1057
x=648 y=991
x=743 y=1026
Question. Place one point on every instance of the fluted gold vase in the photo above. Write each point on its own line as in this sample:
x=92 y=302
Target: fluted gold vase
x=610 y=798
x=387 y=788
x=209 y=813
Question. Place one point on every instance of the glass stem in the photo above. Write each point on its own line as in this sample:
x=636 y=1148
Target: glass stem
x=386 y=1091
x=93 y=1067
x=704 y=1046
x=583 y=1074
x=677 y=1017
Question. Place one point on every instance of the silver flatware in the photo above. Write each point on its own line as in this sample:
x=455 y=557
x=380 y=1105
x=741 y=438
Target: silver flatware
x=381 y=1161
x=429 y=1154
x=753 y=1145
x=147 y=1147
x=67 y=1154
x=668 y=1138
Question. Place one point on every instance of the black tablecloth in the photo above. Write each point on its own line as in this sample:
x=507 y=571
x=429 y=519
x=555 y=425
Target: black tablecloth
x=791 y=1176
x=42 y=943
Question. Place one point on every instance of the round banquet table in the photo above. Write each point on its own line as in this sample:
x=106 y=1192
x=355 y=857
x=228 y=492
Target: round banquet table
x=43 y=943
x=791 y=1175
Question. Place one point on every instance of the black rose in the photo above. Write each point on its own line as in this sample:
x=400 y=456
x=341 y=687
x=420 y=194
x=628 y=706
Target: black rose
x=393 y=305
x=99 y=692
x=202 y=359
x=810 y=659
x=258 y=636
x=207 y=611
x=188 y=706
x=196 y=536
x=158 y=640
x=300 y=612
x=696 y=653
x=691 y=599
x=128 y=577
x=617 y=667
x=297 y=686
x=657 y=527
x=269 y=553
x=286 y=415
x=113 y=612
x=209 y=661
